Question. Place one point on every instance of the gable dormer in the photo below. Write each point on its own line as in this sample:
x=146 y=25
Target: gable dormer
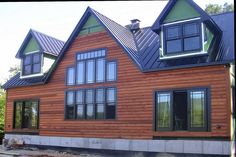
x=185 y=30
x=37 y=53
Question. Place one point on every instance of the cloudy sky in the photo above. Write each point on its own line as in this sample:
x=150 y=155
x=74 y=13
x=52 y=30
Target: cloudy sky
x=58 y=19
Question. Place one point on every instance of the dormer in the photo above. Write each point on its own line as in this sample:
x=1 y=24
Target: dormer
x=37 y=53
x=185 y=30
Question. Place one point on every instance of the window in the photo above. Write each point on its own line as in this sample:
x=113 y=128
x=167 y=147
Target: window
x=92 y=67
x=91 y=104
x=32 y=64
x=26 y=115
x=182 y=37
x=182 y=110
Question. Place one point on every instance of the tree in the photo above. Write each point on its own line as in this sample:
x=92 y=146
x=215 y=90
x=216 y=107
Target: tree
x=216 y=8
x=2 y=109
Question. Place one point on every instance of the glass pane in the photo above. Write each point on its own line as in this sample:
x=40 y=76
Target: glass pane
x=100 y=70
x=70 y=112
x=89 y=96
x=80 y=72
x=163 y=110
x=36 y=68
x=111 y=95
x=191 y=43
x=30 y=116
x=79 y=97
x=100 y=97
x=90 y=71
x=71 y=76
x=110 y=111
x=27 y=69
x=111 y=71
x=197 y=102
x=80 y=111
x=78 y=56
x=173 y=32
x=36 y=58
x=100 y=111
x=173 y=46
x=90 y=111
x=70 y=98
x=191 y=29
x=27 y=60
x=18 y=115
x=34 y=114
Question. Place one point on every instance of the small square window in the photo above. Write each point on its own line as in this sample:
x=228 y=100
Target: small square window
x=173 y=46
x=173 y=32
x=191 y=29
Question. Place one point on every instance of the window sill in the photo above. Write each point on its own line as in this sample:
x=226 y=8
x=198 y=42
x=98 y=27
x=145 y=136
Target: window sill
x=183 y=55
x=30 y=76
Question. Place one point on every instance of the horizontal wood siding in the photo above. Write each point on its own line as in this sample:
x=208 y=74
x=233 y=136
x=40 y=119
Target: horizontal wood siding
x=134 y=92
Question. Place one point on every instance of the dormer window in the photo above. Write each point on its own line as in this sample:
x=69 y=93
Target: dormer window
x=31 y=64
x=182 y=38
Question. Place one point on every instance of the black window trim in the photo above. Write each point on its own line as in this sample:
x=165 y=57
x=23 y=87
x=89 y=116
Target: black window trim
x=105 y=88
x=31 y=55
x=207 y=128
x=181 y=24
x=13 y=115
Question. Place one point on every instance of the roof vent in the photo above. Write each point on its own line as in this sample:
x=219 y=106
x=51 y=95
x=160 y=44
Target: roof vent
x=134 y=25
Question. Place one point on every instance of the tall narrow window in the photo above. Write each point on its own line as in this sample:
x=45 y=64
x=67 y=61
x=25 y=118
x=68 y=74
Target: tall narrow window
x=90 y=71
x=111 y=71
x=80 y=72
x=100 y=104
x=80 y=104
x=100 y=70
x=70 y=107
x=26 y=115
x=90 y=104
x=197 y=109
x=163 y=110
x=70 y=76
x=111 y=103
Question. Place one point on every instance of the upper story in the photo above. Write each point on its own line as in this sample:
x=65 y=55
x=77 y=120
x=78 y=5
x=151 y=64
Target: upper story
x=179 y=38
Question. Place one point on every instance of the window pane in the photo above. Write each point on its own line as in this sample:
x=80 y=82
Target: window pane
x=111 y=95
x=163 y=110
x=80 y=111
x=90 y=71
x=27 y=60
x=80 y=72
x=36 y=68
x=100 y=95
x=70 y=76
x=89 y=96
x=79 y=97
x=110 y=111
x=197 y=102
x=34 y=115
x=70 y=98
x=111 y=71
x=173 y=32
x=100 y=70
x=27 y=69
x=191 y=29
x=173 y=46
x=90 y=111
x=18 y=115
x=36 y=58
x=30 y=115
x=100 y=111
x=70 y=112
x=191 y=43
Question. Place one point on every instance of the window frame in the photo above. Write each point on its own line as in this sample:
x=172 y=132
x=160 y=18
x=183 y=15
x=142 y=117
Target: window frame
x=207 y=108
x=32 y=64
x=67 y=79
x=182 y=24
x=21 y=129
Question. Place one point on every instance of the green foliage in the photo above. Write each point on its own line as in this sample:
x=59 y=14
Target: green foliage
x=216 y=8
x=2 y=109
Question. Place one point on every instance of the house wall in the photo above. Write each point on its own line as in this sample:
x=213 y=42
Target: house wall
x=134 y=97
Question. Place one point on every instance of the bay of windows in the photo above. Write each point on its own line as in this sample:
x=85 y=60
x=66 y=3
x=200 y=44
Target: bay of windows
x=97 y=103
x=182 y=110
x=91 y=67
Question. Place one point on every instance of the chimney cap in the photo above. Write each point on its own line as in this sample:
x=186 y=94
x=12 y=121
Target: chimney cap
x=135 y=20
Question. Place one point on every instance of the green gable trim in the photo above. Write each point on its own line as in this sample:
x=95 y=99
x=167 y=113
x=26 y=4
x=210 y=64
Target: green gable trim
x=181 y=11
x=91 y=26
x=31 y=46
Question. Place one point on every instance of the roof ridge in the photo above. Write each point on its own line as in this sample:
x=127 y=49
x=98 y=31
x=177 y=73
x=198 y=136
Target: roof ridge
x=227 y=12
x=33 y=30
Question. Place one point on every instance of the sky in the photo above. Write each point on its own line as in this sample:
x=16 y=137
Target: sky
x=58 y=19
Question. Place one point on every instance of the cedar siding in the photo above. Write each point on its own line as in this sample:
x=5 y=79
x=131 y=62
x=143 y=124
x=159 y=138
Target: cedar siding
x=135 y=96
